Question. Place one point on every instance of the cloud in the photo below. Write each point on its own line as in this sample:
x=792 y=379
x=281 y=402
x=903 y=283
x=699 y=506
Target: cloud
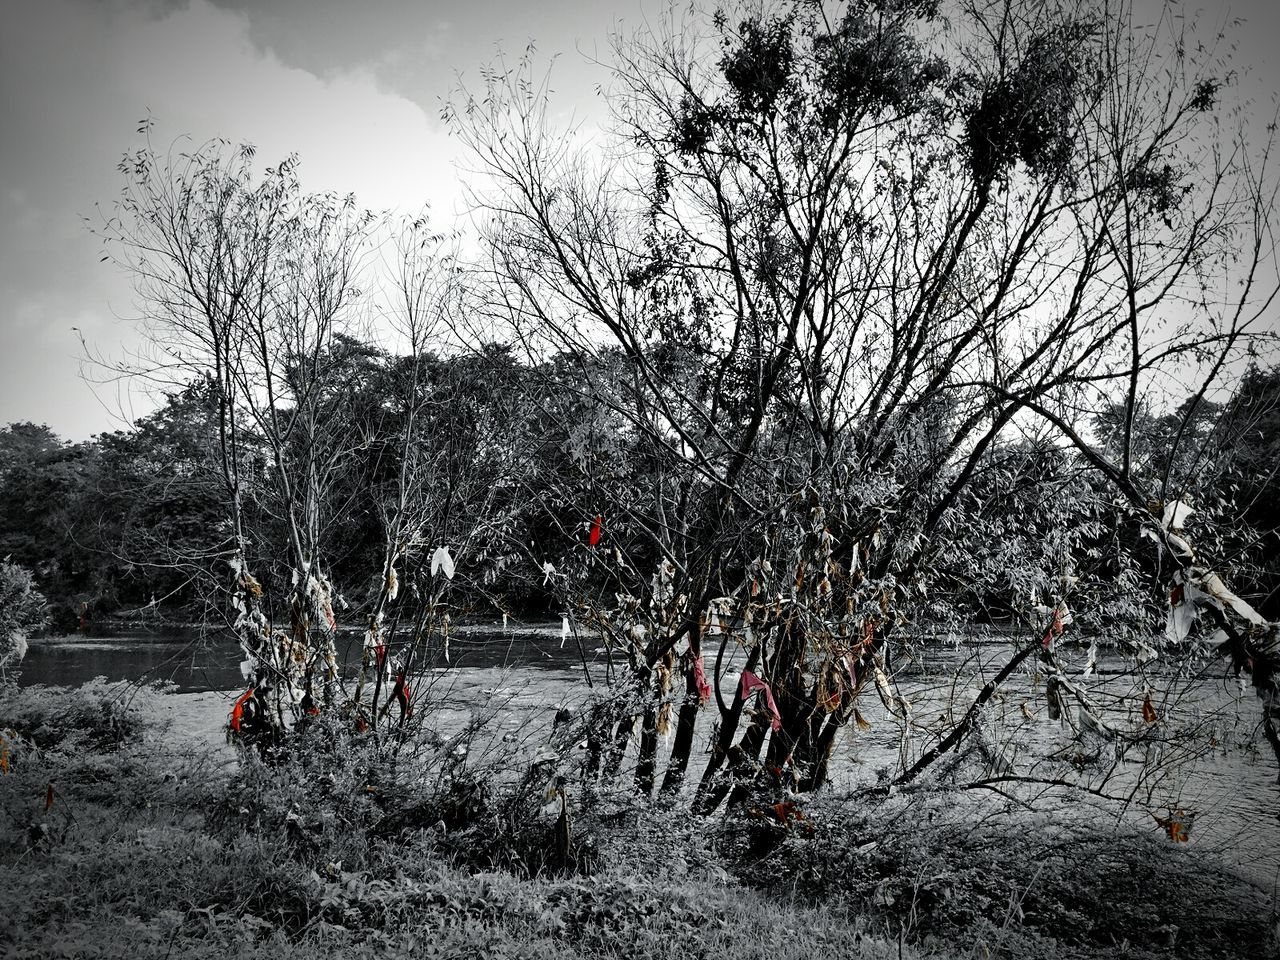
x=75 y=79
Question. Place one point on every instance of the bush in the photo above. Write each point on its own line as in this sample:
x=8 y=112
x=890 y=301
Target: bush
x=22 y=611
x=948 y=868
x=97 y=715
x=125 y=844
x=345 y=798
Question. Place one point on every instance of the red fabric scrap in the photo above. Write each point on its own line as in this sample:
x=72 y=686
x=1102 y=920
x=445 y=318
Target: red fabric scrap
x=596 y=529
x=751 y=683
x=700 y=680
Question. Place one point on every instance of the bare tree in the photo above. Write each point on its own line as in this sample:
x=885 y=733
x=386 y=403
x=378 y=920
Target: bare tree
x=263 y=294
x=844 y=253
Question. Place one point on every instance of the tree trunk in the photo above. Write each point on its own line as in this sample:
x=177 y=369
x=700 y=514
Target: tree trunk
x=685 y=726
x=646 y=763
x=724 y=741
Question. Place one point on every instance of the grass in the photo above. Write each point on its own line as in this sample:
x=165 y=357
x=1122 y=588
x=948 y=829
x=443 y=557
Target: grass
x=126 y=842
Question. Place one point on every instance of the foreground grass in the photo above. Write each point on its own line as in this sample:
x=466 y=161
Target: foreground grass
x=123 y=843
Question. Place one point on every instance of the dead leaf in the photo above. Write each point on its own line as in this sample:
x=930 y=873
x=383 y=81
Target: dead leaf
x=1148 y=709
x=1177 y=825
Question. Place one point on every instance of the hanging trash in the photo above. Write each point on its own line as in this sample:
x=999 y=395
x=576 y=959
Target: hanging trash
x=1091 y=659
x=700 y=680
x=593 y=538
x=1176 y=515
x=237 y=711
x=751 y=683
x=852 y=671
x=1177 y=825
x=1055 y=628
x=441 y=561
x=1148 y=709
x=308 y=705
x=564 y=631
x=1053 y=692
x=403 y=696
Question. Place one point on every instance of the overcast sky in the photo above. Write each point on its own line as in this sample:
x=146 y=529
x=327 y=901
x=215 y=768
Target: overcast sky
x=354 y=88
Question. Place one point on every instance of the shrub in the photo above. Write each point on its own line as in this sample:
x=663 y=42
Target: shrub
x=22 y=611
x=97 y=715
x=947 y=868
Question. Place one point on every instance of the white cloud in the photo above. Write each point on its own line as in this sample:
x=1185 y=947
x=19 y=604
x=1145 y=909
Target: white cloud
x=199 y=73
x=76 y=79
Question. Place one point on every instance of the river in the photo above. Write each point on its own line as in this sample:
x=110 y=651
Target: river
x=1217 y=765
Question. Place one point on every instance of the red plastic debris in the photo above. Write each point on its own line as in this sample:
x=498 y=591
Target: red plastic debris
x=403 y=696
x=237 y=712
x=751 y=683
x=1055 y=628
x=700 y=680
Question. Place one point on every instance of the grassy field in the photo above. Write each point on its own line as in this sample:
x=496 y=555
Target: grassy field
x=133 y=834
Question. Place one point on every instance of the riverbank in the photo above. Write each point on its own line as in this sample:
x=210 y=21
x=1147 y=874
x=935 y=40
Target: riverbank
x=1222 y=770
x=162 y=629
x=143 y=834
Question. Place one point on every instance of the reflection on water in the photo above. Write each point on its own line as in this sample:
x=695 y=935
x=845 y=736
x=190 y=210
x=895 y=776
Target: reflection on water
x=190 y=663
x=197 y=664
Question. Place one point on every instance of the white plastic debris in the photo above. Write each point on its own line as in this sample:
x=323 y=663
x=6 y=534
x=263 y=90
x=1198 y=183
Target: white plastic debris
x=442 y=562
x=1176 y=514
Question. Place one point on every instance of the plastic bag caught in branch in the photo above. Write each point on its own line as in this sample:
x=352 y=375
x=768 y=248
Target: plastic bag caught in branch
x=442 y=562
x=1176 y=515
x=1213 y=586
x=751 y=683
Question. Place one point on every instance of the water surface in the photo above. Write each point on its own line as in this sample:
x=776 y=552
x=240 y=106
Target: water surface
x=1230 y=785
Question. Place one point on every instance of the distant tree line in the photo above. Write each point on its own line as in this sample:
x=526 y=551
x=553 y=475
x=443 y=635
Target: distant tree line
x=128 y=523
